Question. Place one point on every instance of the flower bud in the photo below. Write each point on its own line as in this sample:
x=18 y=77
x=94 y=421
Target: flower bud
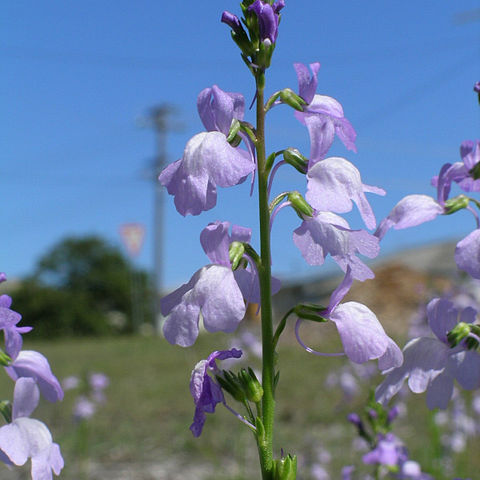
x=301 y=206
x=285 y=468
x=236 y=252
x=5 y=360
x=233 y=136
x=252 y=387
x=239 y=35
x=458 y=333
x=452 y=205
x=6 y=410
x=294 y=158
x=289 y=97
x=230 y=384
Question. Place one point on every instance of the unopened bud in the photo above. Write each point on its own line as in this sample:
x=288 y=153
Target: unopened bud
x=458 y=333
x=236 y=252
x=293 y=157
x=5 y=359
x=285 y=468
x=6 y=410
x=252 y=387
x=452 y=205
x=301 y=206
x=230 y=384
x=289 y=97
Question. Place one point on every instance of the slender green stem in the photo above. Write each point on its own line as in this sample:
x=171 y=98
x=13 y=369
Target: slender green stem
x=265 y=444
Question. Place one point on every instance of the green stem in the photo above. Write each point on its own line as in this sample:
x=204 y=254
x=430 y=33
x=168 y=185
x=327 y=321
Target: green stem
x=265 y=444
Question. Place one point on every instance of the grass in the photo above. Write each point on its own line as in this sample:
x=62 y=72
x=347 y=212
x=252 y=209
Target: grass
x=149 y=409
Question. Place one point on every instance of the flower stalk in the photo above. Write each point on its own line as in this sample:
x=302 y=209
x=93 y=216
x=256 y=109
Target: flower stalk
x=265 y=447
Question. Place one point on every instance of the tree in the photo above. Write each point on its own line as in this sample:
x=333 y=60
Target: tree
x=82 y=286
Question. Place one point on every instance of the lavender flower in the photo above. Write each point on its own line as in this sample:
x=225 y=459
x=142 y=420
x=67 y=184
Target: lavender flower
x=26 y=438
x=430 y=364
x=323 y=116
x=8 y=323
x=83 y=409
x=208 y=159
x=205 y=391
x=31 y=364
x=214 y=292
x=334 y=183
x=362 y=335
x=389 y=451
x=326 y=233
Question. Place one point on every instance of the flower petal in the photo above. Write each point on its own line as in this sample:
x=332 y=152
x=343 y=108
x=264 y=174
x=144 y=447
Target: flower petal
x=361 y=333
x=333 y=184
x=467 y=254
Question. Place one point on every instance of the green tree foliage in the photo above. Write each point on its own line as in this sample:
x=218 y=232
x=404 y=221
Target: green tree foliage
x=83 y=286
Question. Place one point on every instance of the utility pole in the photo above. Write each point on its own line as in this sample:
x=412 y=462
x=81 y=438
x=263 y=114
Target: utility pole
x=159 y=118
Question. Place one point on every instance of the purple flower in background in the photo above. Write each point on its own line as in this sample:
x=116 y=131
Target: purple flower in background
x=34 y=365
x=3 y=277
x=347 y=472
x=326 y=233
x=70 y=383
x=267 y=18
x=389 y=451
x=26 y=437
x=205 y=391
x=99 y=381
x=83 y=409
x=334 y=183
x=430 y=364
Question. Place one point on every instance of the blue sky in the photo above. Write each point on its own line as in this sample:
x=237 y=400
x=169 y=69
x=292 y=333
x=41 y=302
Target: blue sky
x=77 y=76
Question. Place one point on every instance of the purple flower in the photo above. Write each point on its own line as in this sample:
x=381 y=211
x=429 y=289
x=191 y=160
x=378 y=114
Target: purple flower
x=267 y=18
x=83 y=408
x=34 y=365
x=26 y=437
x=467 y=254
x=8 y=323
x=99 y=381
x=3 y=277
x=307 y=85
x=326 y=233
x=70 y=383
x=208 y=159
x=217 y=108
x=461 y=172
x=232 y=21
x=430 y=364
x=410 y=211
x=362 y=335
x=323 y=116
x=205 y=391
x=347 y=472
x=334 y=183
x=476 y=87
x=214 y=292
x=389 y=451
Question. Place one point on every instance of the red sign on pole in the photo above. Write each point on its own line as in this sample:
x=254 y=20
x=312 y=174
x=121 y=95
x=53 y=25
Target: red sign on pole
x=132 y=235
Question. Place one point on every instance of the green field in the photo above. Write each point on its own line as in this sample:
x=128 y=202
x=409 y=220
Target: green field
x=142 y=431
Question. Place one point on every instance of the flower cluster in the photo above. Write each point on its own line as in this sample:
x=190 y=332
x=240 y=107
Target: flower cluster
x=433 y=363
x=24 y=437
